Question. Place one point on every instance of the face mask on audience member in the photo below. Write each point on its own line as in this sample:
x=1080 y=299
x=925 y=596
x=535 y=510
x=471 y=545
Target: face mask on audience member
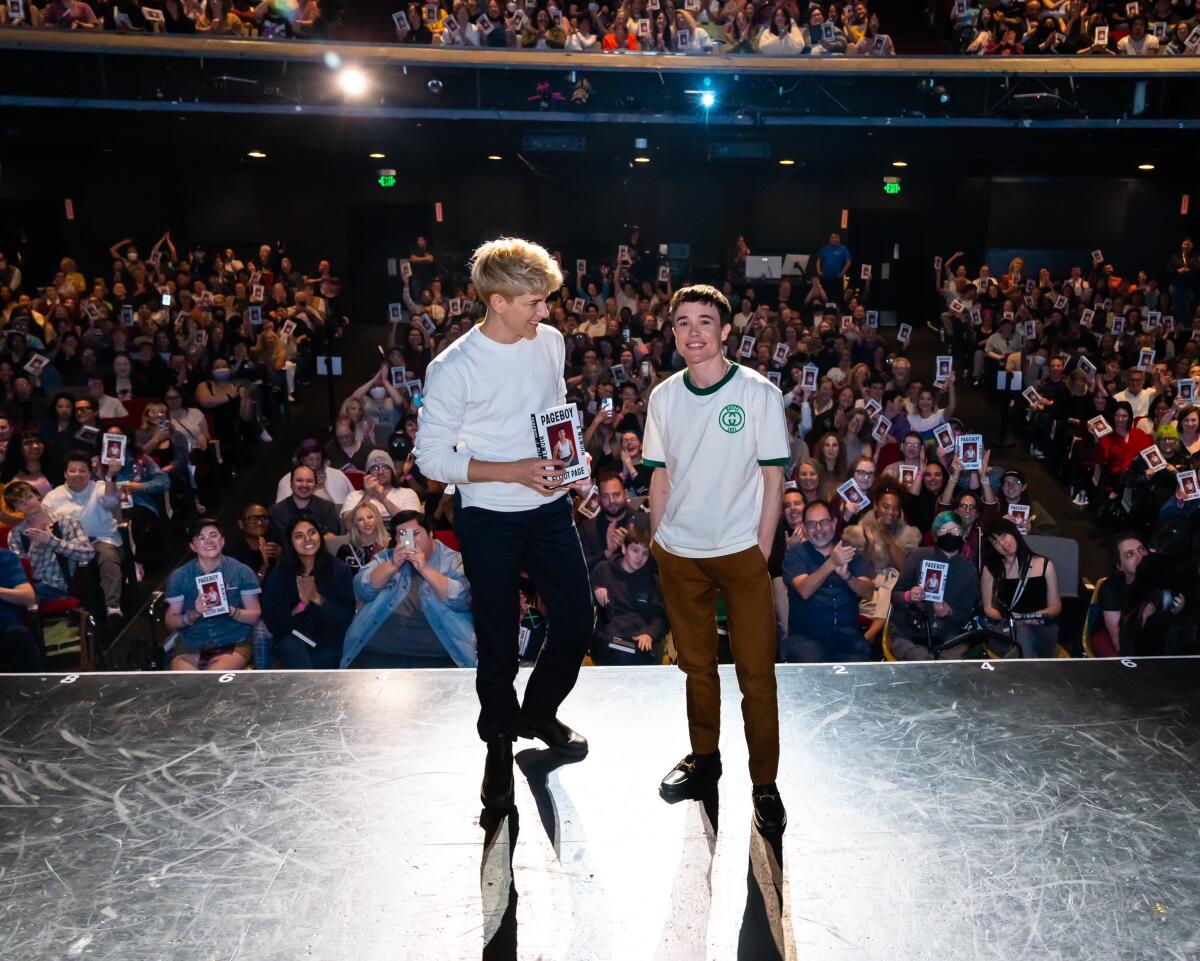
x=948 y=534
x=377 y=393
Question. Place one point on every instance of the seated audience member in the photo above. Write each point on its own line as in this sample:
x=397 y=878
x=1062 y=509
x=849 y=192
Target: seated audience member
x=107 y=406
x=634 y=474
x=827 y=580
x=789 y=531
x=885 y=540
x=211 y=641
x=19 y=649
x=1141 y=605
x=416 y=604
x=381 y=488
x=257 y=551
x=55 y=545
x=308 y=601
x=346 y=451
x=332 y=484
x=92 y=503
x=1116 y=451
x=1018 y=581
x=141 y=483
x=303 y=502
x=368 y=536
x=86 y=437
x=945 y=618
x=1114 y=594
x=28 y=460
x=632 y=625
x=603 y=536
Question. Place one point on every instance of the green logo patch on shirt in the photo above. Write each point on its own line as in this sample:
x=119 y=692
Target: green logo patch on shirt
x=732 y=418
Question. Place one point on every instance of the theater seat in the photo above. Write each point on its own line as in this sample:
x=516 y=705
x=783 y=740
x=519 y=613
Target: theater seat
x=355 y=477
x=1093 y=620
x=43 y=613
x=449 y=538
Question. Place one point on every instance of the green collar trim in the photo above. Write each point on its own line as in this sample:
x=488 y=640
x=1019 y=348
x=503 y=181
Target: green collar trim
x=702 y=391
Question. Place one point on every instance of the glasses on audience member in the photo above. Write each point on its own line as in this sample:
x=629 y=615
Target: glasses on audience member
x=255 y=518
x=967 y=507
x=863 y=472
x=827 y=522
x=378 y=467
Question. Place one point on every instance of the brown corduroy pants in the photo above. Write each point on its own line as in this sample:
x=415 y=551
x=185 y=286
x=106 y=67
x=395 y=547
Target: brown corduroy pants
x=690 y=586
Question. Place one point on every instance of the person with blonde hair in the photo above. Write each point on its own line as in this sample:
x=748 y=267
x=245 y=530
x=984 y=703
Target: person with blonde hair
x=368 y=536
x=511 y=512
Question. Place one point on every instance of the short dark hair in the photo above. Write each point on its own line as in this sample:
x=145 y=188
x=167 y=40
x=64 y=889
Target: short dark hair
x=199 y=524
x=608 y=475
x=701 y=294
x=403 y=517
x=817 y=503
x=82 y=456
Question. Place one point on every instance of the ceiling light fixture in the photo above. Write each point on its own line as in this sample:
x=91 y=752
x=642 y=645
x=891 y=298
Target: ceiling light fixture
x=378 y=156
x=494 y=156
x=257 y=155
x=641 y=160
x=899 y=163
x=787 y=163
x=1145 y=166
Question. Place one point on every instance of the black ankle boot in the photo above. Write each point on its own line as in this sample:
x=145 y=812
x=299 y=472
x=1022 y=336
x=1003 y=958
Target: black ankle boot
x=497 y=791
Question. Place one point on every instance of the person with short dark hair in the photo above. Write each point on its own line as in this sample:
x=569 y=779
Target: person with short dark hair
x=19 y=649
x=603 y=536
x=308 y=601
x=632 y=624
x=717 y=436
x=256 y=550
x=304 y=502
x=827 y=581
x=208 y=640
x=416 y=603
x=92 y=503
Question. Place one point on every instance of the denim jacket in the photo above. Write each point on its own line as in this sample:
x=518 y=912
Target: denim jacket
x=450 y=619
x=141 y=469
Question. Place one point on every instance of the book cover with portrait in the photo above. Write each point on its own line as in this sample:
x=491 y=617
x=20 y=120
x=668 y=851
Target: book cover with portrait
x=558 y=434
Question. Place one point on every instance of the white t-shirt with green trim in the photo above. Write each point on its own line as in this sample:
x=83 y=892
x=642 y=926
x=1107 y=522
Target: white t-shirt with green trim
x=713 y=442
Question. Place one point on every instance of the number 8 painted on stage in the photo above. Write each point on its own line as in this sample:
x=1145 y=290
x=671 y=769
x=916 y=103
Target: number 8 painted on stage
x=69 y=679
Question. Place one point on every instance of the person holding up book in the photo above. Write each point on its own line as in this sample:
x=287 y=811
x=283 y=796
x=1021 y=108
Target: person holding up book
x=488 y=399
x=213 y=604
x=717 y=437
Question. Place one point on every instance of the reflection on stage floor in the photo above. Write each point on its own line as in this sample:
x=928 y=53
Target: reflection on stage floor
x=950 y=811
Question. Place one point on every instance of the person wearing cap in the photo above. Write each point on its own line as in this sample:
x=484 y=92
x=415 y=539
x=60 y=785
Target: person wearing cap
x=1012 y=490
x=381 y=487
x=332 y=484
x=947 y=617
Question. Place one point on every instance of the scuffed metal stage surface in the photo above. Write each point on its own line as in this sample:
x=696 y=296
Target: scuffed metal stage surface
x=1013 y=810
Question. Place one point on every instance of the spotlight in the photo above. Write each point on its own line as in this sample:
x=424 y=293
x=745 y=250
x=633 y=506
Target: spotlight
x=899 y=163
x=707 y=99
x=353 y=81
x=434 y=86
x=786 y=162
x=256 y=155
x=494 y=156
x=377 y=156
x=641 y=160
x=1145 y=166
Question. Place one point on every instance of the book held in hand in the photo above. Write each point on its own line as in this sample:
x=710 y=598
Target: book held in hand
x=904 y=333
x=1099 y=426
x=853 y=495
x=944 y=435
x=1189 y=489
x=880 y=431
x=1154 y=460
x=212 y=590
x=1187 y=390
x=970 y=451
x=933 y=580
x=908 y=474
x=558 y=435
x=114 y=449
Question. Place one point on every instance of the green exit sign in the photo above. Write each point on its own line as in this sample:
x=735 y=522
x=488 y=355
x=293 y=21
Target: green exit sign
x=891 y=185
x=387 y=180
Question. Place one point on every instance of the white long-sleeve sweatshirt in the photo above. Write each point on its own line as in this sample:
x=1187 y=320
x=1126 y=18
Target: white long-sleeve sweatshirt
x=480 y=398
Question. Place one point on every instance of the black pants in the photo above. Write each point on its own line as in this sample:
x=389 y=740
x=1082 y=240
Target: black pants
x=496 y=547
x=20 y=650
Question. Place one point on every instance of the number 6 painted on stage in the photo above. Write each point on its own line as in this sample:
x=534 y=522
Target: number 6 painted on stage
x=1128 y=662
x=226 y=678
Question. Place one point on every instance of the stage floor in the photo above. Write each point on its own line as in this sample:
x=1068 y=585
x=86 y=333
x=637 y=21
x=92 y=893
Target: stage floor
x=1037 y=810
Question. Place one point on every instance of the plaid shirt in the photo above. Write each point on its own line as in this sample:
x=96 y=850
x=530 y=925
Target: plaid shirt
x=73 y=545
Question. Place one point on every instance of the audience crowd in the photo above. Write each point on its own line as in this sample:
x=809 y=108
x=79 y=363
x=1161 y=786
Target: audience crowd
x=903 y=535
x=1132 y=28
x=130 y=402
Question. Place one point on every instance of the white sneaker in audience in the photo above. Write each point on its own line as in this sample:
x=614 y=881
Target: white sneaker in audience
x=1080 y=499
x=1036 y=453
x=265 y=437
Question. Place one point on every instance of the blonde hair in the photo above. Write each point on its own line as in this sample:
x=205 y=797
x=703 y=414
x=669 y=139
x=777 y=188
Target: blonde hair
x=382 y=539
x=511 y=267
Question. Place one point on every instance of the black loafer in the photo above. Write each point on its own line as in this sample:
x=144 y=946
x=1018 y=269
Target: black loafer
x=769 y=814
x=691 y=777
x=556 y=735
x=497 y=791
